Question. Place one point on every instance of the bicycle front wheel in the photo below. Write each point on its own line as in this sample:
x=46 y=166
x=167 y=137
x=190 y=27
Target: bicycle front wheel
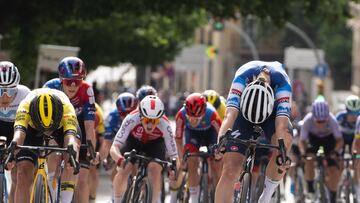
x=143 y=193
x=40 y=191
x=245 y=185
x=204 y=189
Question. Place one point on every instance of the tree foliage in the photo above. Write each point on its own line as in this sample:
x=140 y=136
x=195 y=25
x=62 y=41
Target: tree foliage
x=138 y=31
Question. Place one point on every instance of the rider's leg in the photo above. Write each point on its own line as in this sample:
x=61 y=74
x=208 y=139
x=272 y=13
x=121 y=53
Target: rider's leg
x=273 y=173
x=155 y=176
x=120 y=182
x=25 y=177
x=333 y=174
x=309 y=173
x=13 y=185
x=52 y=163
x=193 y=178
x=215 y=166
x=93 y=181
x=231 y=170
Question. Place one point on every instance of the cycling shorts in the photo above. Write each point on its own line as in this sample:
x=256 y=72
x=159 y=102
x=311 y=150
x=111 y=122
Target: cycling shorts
x=7 y=130
x=246 y=130
x=35 y=138
x=194 y=139
x=152 y=148
x=327 y=142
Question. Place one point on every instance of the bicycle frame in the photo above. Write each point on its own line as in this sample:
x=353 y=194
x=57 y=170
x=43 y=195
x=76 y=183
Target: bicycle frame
x=41 y=171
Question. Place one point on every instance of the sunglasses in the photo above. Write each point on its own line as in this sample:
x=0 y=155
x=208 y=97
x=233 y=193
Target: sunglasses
x=68 y=82
x=194 y=117
x=321 y=121
x=9 y=91
x=152 y=121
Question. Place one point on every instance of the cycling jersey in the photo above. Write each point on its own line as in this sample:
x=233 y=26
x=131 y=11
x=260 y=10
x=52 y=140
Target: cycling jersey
x=8 y=114
x=83 y=101
x=23 y=119
x=357 y=128
x=309 y=127
x=210 y=119
x=132 y=126
x=346 y=127
x=112 y=124
x=279 y=81
x=99 y=120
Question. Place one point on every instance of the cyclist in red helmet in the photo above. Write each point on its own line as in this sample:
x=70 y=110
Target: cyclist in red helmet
x=199 y=122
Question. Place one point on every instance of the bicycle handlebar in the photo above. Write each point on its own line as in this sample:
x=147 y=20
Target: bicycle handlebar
x=70 y=150
x=165 y=164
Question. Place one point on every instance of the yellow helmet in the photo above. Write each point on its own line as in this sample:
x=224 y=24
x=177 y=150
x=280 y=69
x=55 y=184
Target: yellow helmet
x=212 y=97
x=46 y=111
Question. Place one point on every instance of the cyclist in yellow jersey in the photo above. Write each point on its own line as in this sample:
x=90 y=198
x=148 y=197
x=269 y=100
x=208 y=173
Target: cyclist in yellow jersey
x=99 y=130
x=44 y=112
x=214 y=99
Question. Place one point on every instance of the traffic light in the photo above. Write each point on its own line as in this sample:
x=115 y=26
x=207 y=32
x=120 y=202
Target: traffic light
x=218 y=25
x=211 y=52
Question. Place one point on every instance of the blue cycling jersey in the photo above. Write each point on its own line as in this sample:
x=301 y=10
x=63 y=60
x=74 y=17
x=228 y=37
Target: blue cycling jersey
x=346 y=127
x=112 y=124
x=279 y=81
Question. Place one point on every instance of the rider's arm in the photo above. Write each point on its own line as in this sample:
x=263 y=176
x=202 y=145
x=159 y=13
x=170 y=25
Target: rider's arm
x=90 y=131
x=229 y=120
x=179 y=132
x=304 y=134
x=169 y=138
x=282 y=130
x=121 y=136
x=337 y=133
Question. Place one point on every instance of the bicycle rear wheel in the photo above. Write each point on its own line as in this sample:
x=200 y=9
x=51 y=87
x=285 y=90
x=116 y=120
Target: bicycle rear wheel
x=183 y=194
x=259 y=187
x=143 y=192
x=40 y=191
x=245 y=185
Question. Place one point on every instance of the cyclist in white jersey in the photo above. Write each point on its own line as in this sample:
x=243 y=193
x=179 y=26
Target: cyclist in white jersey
x=320 y=128
x=148 y=131
x=11 y=94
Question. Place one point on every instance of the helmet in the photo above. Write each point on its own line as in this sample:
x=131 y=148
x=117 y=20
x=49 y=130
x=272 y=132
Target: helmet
x=72 y=67
x=126 y=102
x=352 y=103
x=213 y=98
x=46 y=112
x=320 y=110
x=257 y=101
x=195 y=105
x=9 y=75
x=145 y=91
x=151 y=107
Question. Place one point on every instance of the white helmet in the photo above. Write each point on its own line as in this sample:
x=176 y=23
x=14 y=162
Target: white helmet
x=9 y=75
x=352 y=103
x=257 y=101
x=151 y=107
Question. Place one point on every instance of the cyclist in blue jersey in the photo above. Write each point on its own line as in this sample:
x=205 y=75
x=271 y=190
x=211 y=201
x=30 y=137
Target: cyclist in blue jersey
x=144 y=91
x=260 y=95
x=347 y=119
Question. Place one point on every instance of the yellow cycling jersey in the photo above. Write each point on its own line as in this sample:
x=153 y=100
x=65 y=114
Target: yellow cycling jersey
x=99 y=120
x=68 y=121
x=221 y=110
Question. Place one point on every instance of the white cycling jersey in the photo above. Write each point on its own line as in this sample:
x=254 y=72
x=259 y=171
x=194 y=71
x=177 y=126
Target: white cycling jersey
x=132 y=126
x=8 y=114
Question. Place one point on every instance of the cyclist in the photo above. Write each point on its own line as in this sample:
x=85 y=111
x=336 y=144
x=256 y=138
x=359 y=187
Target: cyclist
x=11 y=94
x=100 y=130
x=72 y=72
x=43 y=112
x=199 y=123
x=144 y=91
x=321 y=129
x=148 y=131
x=125 y=103
x=260 y=95
x=347 y=119
x=214 y=99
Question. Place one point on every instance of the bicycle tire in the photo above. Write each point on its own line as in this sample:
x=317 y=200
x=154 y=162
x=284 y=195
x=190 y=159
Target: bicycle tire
x=299 y=190
x=128 y=196
x=204 y=189
x=183 y=194
x=143 y=189
x=40 y=191
x=259 y=187
x=245 y=185
x=2 y=188
x=163 y=192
